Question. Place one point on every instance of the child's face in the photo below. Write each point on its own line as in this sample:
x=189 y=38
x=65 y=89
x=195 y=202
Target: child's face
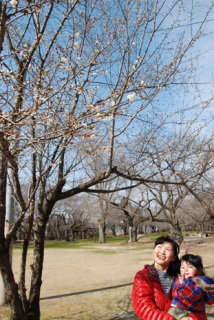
x=188 y=269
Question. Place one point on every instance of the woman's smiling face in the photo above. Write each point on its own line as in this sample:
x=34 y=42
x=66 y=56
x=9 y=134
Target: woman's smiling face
x=163 y=255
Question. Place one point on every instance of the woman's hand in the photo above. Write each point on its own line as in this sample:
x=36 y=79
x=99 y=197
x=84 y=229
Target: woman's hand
x=187 y=318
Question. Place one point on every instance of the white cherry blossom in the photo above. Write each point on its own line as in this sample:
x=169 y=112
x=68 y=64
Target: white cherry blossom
x=131 y=97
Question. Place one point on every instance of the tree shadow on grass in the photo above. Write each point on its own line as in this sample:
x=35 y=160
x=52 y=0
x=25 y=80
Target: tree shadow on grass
x=86 y=291
x=126 y=316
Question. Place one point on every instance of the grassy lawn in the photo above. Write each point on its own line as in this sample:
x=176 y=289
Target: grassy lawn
x=79 y=243
x=74 y=244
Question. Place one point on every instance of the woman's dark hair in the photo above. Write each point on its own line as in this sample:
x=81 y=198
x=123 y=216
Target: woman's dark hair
x=174 y=266
x=196 y=261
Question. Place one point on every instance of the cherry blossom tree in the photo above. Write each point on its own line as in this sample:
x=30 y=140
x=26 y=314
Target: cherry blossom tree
x=193 y=217
x=203 y=193
x=135 y=211
x=185 y=158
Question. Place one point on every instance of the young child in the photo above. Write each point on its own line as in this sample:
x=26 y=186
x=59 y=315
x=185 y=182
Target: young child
x=187 y=296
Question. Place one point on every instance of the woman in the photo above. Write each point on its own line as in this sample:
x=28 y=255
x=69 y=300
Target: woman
x=152 y=293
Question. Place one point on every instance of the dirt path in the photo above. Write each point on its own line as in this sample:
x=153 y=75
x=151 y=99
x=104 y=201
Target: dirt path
x=96 y=283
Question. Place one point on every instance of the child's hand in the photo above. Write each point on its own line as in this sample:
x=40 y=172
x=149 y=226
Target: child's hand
x=181 y=278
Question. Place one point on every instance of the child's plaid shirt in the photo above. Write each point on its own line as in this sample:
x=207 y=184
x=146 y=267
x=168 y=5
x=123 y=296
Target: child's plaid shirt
x=188 y=296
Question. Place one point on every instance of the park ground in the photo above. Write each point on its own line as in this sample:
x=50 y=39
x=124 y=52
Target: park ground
x=95 y=281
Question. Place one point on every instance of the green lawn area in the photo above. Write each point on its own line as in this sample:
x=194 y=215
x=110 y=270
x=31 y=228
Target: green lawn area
x=85 y=243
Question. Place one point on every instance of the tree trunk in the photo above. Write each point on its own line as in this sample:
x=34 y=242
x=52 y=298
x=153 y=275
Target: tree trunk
x=132 y=233
x=140 y=230
x=58 y=236
x=83 y=234
x=37 y=266
x=71 y=235
x=113 y=229
x=102 y=236
x=177 y=233
x=11 y=287
x=23 y=266
x=124 y=230
x=24 y=257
